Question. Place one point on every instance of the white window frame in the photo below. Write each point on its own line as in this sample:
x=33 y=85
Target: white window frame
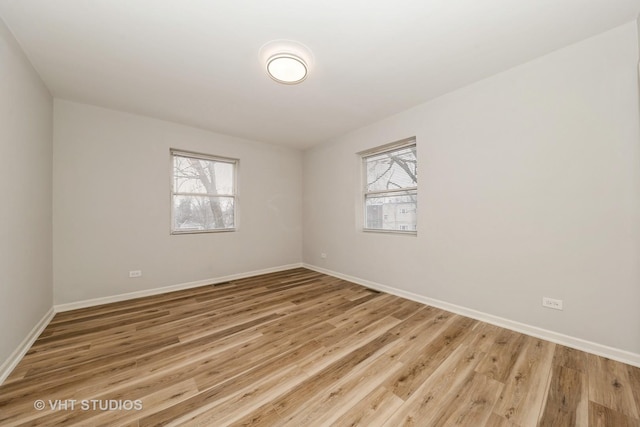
x=234 y=195
x=387 y=148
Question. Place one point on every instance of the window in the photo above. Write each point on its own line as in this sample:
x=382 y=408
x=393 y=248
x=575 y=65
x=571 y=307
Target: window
x=203 y=193
x=391 y=187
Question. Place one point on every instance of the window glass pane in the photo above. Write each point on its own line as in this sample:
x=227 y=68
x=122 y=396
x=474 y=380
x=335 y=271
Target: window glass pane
x=396 y=212
x=392 y=170
x=195 y=213
x=192 y=175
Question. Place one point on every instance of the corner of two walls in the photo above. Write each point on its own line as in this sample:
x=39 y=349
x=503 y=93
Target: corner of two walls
x=112 y=206
x=26 y=126
x=529 y=187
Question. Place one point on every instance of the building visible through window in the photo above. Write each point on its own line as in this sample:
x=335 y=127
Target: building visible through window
x=391 y=187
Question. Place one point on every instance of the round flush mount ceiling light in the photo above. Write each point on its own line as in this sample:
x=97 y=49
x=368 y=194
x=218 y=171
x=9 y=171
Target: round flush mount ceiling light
x=286 y=61
x=287 y=68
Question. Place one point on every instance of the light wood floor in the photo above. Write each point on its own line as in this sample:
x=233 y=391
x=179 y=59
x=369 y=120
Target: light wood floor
x=304 y=349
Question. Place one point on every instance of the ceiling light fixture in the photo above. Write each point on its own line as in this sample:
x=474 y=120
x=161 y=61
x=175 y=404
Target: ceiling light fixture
x=287 y=68
x=287 y=62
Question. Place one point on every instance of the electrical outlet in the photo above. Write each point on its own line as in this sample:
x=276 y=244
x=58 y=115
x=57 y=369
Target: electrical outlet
x=555 y=304
x=323 y=255
x=135 y=273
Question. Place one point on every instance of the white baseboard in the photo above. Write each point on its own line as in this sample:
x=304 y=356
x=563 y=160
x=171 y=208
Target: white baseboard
x=555 y=337
x=577 y=343
x=8 y=366
x=157 y=291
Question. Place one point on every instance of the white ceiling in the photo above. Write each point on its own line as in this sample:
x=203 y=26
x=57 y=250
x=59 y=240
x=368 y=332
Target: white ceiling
x=197 y=62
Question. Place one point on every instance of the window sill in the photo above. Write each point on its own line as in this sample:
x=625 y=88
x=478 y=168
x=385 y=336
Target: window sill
x=401 y=232
x=222 y=230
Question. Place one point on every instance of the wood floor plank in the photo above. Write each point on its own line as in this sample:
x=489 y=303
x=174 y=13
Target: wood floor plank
x=343 y=394
x=113 y=355
x=526 y=384
x=335 y=350
x=422 y=406
x=226 y=366
x=570 y=358
x=502 y=355
x=154 y=402
x=428 y=331
x=377 y=307
x=226 y=388
x=601 y=416
x=244 y=401
x=634 y=383
x=611 y=387
x=294 y=399
x=436 y=352
x=302 y=348
x=371 y=410
x=472 y=405
x=268 y=418
x=567 y=402
x=496 y=420
x=407 y=308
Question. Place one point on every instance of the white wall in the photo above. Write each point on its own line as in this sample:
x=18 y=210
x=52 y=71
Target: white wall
x=529 y=187
x=112 y=214
x=26 y=126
